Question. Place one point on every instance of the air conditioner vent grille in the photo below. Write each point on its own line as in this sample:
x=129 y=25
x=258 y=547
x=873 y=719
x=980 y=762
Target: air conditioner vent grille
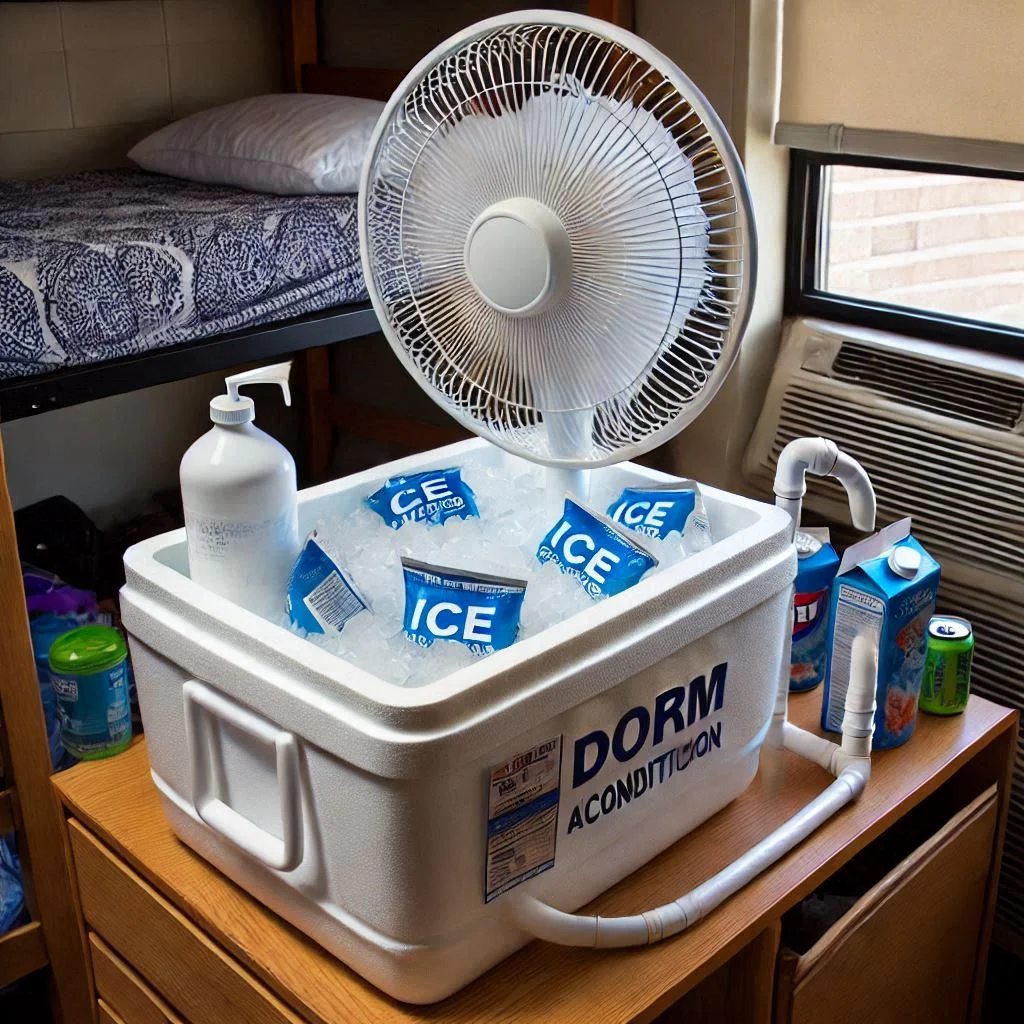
x=967 y=500
x=959 y=392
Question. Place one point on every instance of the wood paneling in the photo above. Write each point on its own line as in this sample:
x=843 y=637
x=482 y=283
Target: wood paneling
x=117 y=799
x=300 y=40
x=105 y=1015
x=739 y=991
x=6 y=811
x=27 y=757
x=369 y=421
x=618 y=12
x=906 y=949
x=370 y=83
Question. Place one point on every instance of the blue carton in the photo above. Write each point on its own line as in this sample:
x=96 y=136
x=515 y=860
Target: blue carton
x=885 y=588
x=816 y=568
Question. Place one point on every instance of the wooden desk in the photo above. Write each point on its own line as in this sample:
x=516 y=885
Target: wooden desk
x=144 y=894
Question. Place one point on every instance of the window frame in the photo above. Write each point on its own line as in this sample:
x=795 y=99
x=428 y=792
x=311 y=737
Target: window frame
x=806 y=228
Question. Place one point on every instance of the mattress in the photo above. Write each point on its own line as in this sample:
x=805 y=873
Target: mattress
x=107 y=264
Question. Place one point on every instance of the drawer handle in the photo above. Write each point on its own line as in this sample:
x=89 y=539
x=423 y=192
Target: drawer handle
x=203 y=704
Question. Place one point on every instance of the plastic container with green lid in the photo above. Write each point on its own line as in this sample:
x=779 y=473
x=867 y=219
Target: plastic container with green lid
x=89 y=672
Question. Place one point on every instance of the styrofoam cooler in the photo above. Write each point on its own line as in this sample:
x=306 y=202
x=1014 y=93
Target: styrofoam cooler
x=397 y=826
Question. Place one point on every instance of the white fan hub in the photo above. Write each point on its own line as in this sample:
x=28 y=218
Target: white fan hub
x=518 y=256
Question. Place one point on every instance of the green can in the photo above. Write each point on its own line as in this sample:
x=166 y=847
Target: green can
x=89 y=672
x=947 y=666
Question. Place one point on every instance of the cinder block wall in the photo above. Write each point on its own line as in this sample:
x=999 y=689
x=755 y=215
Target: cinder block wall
x=81 y=83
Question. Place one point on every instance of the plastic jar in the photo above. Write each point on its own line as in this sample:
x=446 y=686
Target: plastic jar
x=89 y=673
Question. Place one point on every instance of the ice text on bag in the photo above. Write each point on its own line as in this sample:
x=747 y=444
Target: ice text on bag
x=431 y=497
x=321 y=598
x=598 y=553
x=479 y=611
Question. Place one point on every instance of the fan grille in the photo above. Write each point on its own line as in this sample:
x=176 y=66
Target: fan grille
x=654 y=208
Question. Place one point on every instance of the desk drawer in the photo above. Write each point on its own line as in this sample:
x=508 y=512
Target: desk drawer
x=906 y=949
x=189 y=971
x=123 y=991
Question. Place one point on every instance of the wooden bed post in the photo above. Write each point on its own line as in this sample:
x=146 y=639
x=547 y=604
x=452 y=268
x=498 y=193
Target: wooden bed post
x=300 y=40
x=55 y=936
x=301 y=47
x=618 y=12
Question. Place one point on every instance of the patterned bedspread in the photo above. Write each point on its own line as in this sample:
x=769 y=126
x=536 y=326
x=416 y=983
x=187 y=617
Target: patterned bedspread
x=104 y=264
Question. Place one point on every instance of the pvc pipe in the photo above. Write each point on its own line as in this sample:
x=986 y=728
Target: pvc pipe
x=851 y=474
x=820 y=457
x=815 y=455
x=850 y=762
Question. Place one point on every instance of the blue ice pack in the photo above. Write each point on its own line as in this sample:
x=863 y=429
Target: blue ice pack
x=655 y=511
x=321 y=598
x=816 y=568
x=12 y=893
x=601 y=555
x=430 y=497
x=885 y=589
x=471 y=608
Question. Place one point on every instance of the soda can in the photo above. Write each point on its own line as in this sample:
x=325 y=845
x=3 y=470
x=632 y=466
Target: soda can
x=947 y=666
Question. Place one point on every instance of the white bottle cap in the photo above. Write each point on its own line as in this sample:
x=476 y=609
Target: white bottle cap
x=905 y=562
x=225 y=409
x=236 y=408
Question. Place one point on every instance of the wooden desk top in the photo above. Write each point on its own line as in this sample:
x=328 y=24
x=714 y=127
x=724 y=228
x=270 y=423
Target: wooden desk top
x=116 y=799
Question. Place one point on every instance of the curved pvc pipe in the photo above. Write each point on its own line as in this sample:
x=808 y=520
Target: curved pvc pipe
x=852 y=767
x=851 y=474
x=820 y=457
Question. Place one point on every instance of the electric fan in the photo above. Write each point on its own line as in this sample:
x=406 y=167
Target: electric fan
x=557 y=238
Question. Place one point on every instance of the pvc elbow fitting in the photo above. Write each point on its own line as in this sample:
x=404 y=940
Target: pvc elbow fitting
x=815 y=455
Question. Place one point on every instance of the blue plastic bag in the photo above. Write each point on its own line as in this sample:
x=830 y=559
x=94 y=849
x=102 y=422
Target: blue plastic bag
x=474 y=609
x=600 y=554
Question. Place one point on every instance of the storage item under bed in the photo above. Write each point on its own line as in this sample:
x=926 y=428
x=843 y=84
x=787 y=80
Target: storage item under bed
x=107 y=264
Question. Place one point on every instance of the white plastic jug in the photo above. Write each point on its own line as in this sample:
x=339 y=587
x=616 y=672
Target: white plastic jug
x=240 y=498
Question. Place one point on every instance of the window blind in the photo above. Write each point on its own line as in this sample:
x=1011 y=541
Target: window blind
x=935 y=80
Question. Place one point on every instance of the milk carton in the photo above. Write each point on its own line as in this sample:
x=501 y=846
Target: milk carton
x=885 y=588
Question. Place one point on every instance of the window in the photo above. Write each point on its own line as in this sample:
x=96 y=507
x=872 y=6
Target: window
x=914 y=248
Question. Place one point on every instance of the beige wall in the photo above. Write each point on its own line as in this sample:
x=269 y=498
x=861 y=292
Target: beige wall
x=80 y=83
x=730 y=50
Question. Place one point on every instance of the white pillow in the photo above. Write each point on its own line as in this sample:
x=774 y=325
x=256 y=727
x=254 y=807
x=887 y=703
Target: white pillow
x=290 y=144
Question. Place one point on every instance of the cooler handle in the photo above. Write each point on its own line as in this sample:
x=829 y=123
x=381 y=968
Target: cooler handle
x=202 y=704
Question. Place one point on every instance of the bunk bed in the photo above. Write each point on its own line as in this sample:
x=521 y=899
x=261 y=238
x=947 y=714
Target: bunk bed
x=54 y=938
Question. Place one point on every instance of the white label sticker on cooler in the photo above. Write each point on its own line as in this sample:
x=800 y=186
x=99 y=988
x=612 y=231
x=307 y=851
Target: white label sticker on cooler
x=522 y=817
x=856 y=613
